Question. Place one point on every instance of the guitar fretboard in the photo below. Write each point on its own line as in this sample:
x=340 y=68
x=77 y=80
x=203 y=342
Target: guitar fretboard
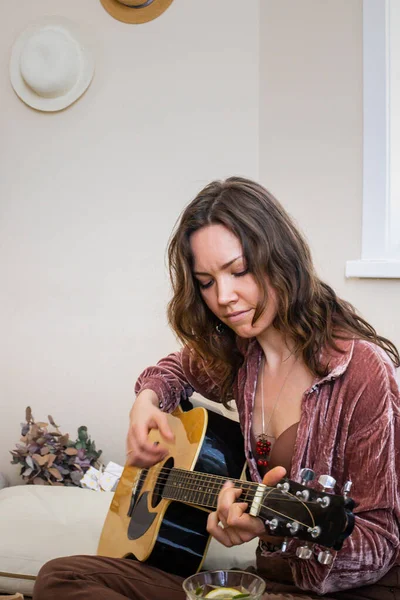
x=201 y=489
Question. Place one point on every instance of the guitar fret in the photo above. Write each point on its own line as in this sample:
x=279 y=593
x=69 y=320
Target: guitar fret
x=182 y=486
x=194 y=486
x=202 y=489
x=197 y=493
x=248 y=495
x=186 y=486
x=209 y=495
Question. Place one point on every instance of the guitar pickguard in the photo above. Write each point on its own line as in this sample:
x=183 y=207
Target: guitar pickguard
x=141 y=519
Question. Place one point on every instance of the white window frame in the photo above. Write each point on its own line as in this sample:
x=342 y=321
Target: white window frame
x=377 y=259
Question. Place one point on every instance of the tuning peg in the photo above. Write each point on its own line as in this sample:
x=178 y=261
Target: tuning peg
x=304 y=495
x=325 y=557
x=273 y=524
x=293 y=527
x=285 y=487
x=304 y=552
x=347 y=488
x=314 y=531
x=284 y=545
x=306 y=476
x=324 y=502
x=327 y=482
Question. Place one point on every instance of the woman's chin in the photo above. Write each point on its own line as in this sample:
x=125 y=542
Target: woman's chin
x=244 y=331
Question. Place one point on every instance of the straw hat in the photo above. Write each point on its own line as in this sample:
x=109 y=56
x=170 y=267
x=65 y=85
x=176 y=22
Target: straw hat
x=135 y=11
x=51 y=64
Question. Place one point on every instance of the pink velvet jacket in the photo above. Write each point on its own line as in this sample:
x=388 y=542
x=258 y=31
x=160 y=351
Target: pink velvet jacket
x=349 y=428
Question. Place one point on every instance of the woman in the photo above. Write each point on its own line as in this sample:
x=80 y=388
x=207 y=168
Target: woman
x=314 y=386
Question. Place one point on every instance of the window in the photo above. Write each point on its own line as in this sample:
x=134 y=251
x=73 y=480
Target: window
x=381 y=150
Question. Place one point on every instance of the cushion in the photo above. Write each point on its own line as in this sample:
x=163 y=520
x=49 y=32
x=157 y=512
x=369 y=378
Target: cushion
x=39 y=523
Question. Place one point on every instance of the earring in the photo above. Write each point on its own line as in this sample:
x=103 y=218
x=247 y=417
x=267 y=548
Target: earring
x=220 y=328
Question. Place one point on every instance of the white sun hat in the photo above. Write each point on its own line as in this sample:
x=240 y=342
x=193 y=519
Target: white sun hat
x=51 y=64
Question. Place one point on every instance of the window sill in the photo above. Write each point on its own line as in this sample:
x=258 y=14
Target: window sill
x=373 y=269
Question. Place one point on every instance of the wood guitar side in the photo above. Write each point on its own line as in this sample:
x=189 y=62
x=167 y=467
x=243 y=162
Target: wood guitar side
x=167 y=534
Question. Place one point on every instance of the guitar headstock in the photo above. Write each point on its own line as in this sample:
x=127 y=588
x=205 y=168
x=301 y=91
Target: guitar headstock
x=295 y=510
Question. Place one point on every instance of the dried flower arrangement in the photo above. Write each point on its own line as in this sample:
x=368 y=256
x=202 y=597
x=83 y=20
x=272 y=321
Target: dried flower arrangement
x=50 y=457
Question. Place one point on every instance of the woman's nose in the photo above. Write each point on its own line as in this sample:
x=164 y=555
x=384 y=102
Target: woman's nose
x=226 y=293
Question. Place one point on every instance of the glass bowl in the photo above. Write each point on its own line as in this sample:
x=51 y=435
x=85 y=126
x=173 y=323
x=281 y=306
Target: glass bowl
x=224 y=585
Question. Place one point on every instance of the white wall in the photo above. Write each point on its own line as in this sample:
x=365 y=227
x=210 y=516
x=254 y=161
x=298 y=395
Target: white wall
x=311 y=139
x=89 y=196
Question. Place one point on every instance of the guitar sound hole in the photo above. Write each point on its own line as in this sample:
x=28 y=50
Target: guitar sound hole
x=161 y=481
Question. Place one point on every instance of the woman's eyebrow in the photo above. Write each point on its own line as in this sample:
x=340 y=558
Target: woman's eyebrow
x=225 y=266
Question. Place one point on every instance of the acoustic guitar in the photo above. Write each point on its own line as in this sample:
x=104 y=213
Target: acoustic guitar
x=159 y=515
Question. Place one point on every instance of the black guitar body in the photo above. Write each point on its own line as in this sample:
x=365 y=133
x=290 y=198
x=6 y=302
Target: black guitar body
x=159 y=515
x=183 y=538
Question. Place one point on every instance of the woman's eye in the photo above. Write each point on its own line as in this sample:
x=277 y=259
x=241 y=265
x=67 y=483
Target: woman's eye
x=241 y=273
x=204 y=286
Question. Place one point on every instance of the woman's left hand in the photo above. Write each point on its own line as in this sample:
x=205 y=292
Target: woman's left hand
x=230 y=524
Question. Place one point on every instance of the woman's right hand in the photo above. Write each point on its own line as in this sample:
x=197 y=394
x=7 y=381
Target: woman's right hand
x=145 y=416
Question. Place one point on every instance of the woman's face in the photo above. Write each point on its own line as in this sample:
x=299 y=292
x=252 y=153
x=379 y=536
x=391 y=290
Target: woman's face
x=228 y=288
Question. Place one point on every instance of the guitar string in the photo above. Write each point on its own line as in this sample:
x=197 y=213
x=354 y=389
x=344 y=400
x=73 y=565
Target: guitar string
x=199 y=474
x=269 y=508
x=164 y=473
x=270 y=491
x=304 y=506
x=266 y=506
x=216 y=488
x=273 y=510
x=202 y=477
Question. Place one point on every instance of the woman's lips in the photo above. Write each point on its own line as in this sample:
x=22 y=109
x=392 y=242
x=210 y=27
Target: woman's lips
x=236 y=316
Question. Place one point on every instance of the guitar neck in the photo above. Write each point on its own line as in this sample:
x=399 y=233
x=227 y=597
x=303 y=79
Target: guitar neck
x=290 y=509
x=202 y=489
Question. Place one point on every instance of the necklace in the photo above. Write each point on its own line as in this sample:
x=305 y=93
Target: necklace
x=263 y=445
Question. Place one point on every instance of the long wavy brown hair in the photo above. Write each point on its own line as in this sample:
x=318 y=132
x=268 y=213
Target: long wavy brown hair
x=309 y=311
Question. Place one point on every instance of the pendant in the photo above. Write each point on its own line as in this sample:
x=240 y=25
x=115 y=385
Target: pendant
x=263 y=448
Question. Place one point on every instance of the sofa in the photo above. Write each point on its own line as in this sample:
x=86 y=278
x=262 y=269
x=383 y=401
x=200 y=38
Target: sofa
x=38 y=523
